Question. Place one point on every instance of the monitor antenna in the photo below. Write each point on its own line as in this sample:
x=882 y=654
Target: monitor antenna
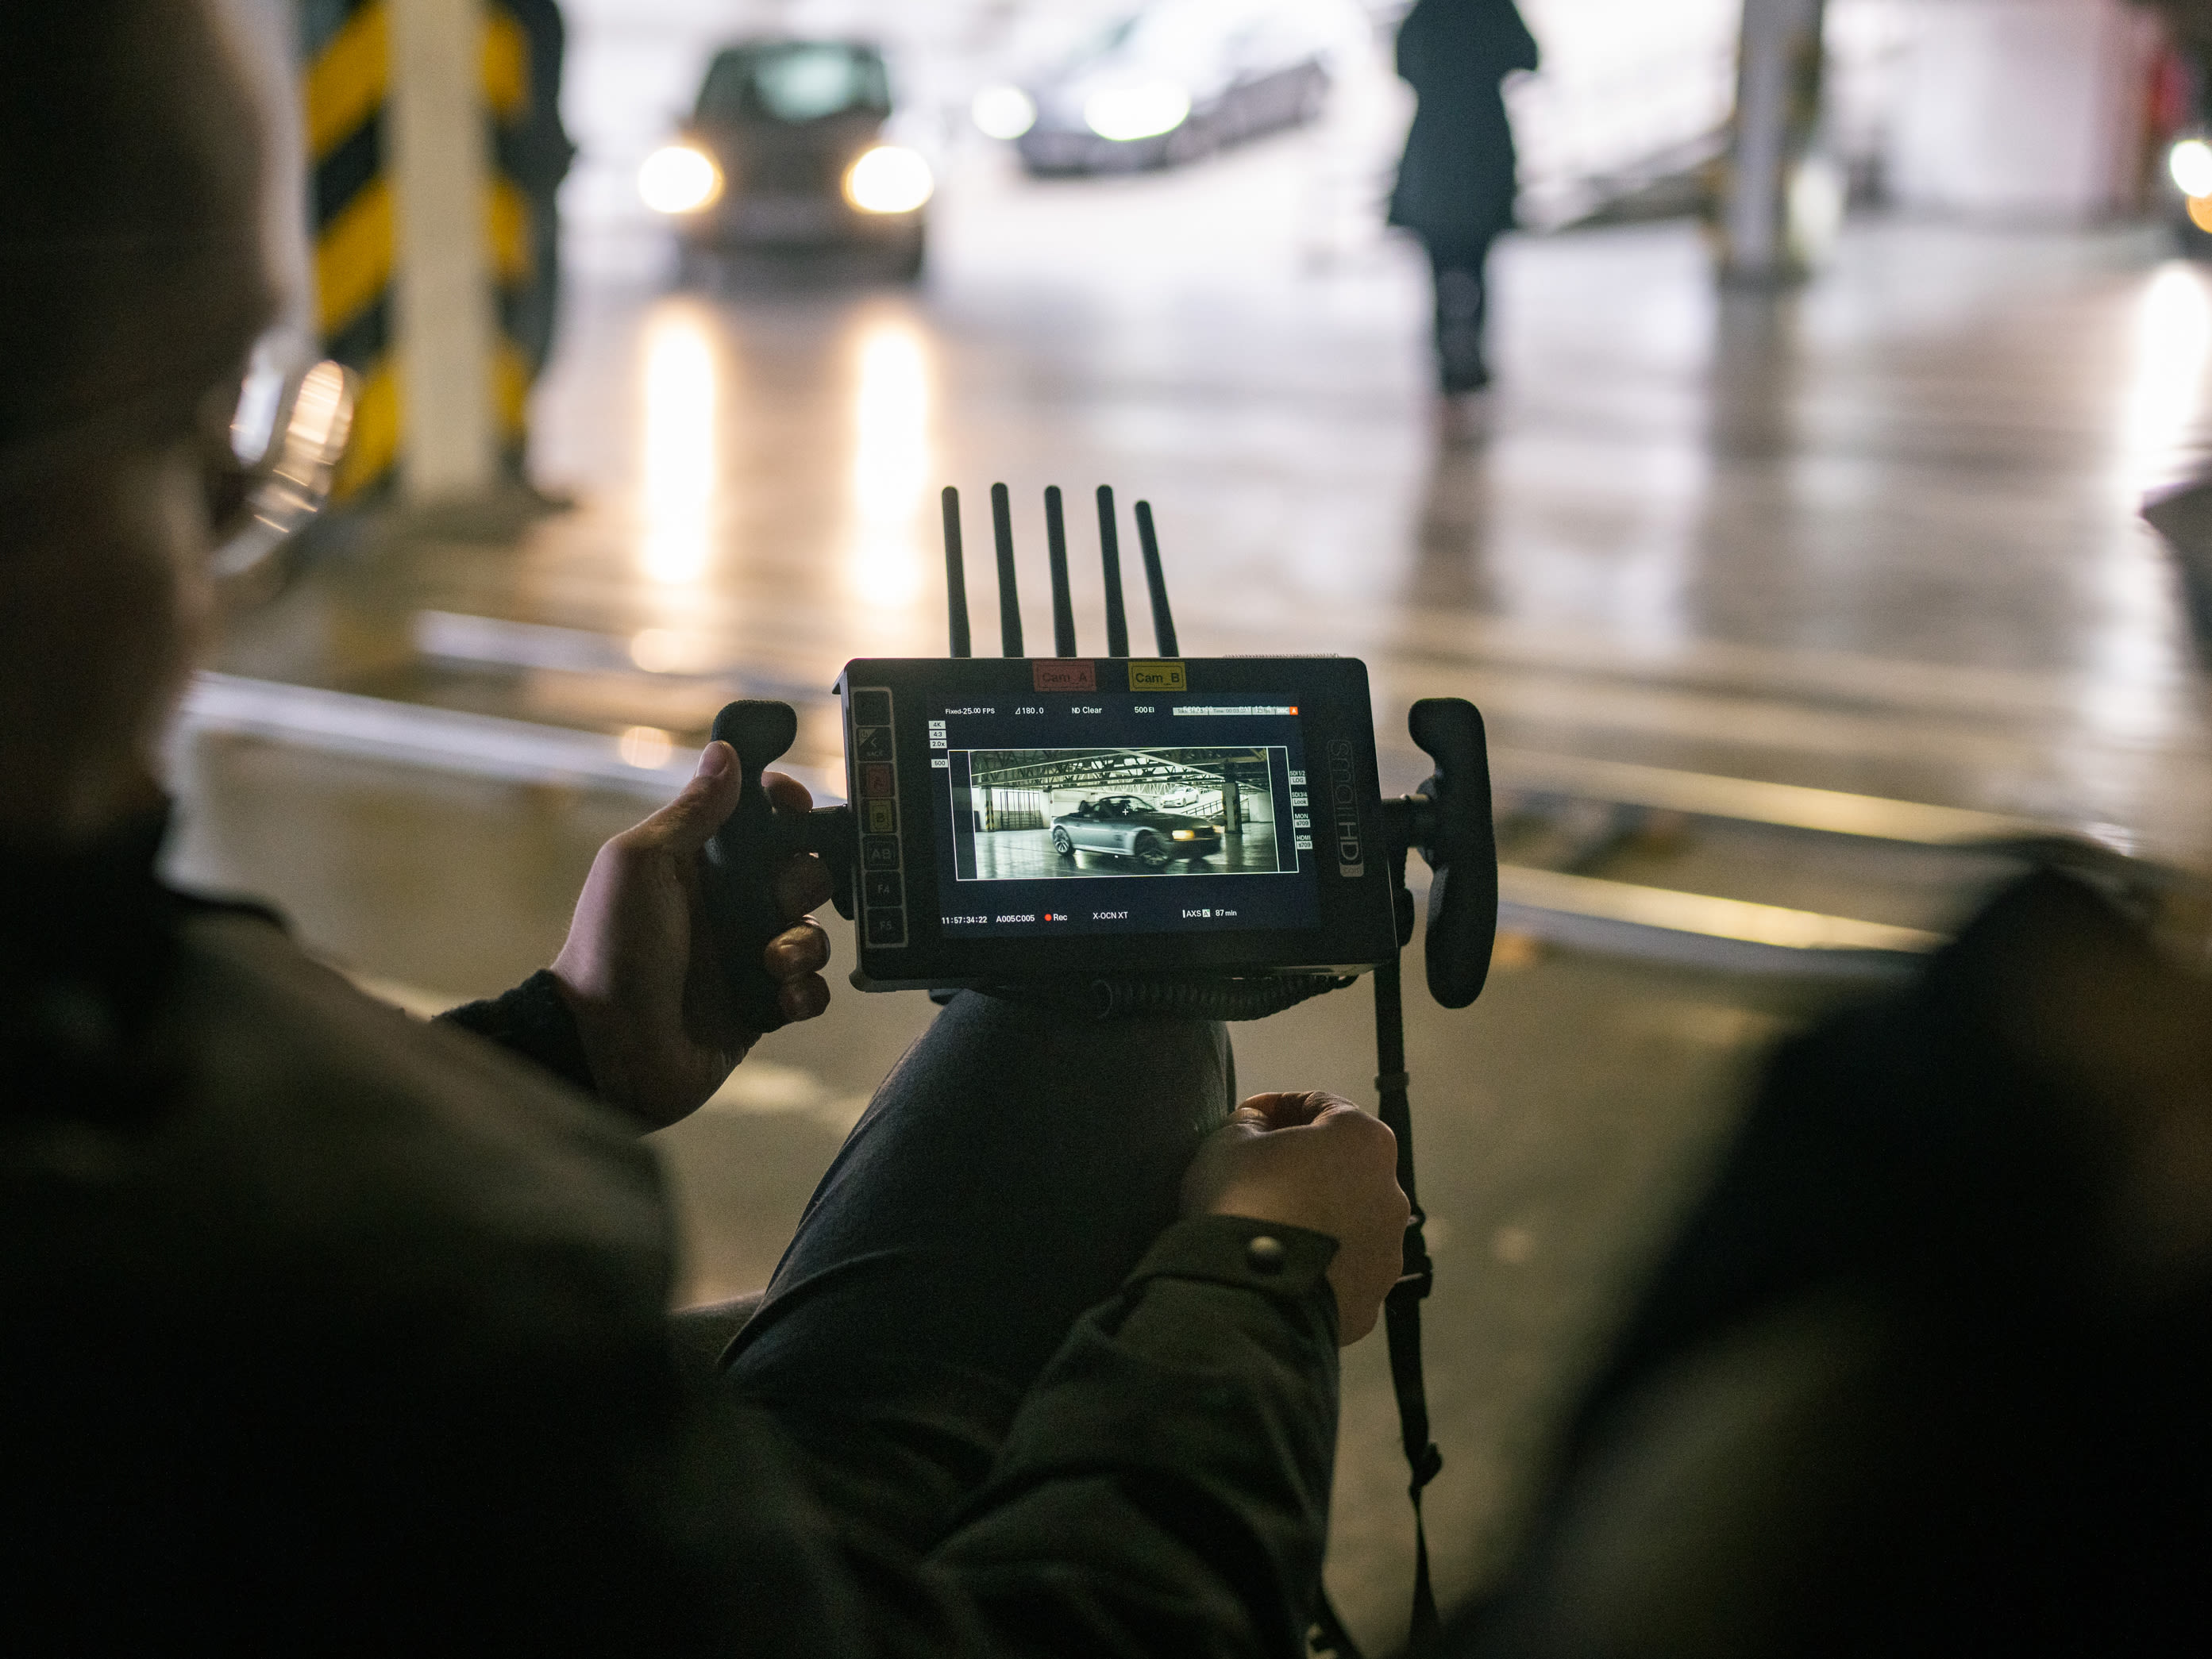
x=1063 y=605
x=1010 y=602
x=1163 y=630
x=1109 y=560
x=956 y=575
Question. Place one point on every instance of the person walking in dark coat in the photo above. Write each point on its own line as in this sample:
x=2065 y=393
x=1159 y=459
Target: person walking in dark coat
x=1455 y=185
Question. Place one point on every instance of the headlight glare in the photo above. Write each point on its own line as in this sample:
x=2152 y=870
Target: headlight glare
x=889 y=179
x=1127 y=113
x=679 y=179
x=2190 y=162
x=1004 y=111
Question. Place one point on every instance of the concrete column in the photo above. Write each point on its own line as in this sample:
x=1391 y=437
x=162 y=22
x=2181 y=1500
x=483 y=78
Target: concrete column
x=442 y=298
x=1778 y=108
x=2021 y=110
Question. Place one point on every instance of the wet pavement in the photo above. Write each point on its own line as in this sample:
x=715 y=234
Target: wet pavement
x=1875 y=540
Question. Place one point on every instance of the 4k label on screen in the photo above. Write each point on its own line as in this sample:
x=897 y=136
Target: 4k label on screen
x=1157 y=676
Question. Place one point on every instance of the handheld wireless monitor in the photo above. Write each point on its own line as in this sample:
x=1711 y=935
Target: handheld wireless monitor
x=1056 y=818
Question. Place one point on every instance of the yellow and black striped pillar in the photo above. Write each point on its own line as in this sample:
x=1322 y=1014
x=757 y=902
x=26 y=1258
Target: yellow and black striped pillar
x=509 y=220
x=348 y=58
x=358 y=220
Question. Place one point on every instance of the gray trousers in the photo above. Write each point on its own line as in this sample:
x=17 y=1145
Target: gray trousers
x=1009 y=1173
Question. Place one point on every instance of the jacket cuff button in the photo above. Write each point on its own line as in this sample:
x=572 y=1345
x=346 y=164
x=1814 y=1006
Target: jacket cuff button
x=1265 y=1255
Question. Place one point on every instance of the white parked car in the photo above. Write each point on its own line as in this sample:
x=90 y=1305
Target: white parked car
x=1170 y=83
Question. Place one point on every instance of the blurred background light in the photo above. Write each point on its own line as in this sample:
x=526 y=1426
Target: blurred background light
x=1004 y=111
x=889 y=179
x=664 y=651
x=646 y=747
x=1126 y=113
x=678 y=178
x=2190 y=163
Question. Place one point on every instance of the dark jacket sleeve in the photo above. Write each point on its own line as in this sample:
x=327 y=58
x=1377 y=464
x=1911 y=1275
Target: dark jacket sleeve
x=1165 y=1487
x=1163 y=1490
x=533 y=1022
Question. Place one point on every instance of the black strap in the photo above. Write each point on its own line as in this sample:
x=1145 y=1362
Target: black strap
x=1401 y=1325
x=1401 y=1309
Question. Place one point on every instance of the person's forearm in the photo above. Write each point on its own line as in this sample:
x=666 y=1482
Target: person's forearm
x=1165 y=1487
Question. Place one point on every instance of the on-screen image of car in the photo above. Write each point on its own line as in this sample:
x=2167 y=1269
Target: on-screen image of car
x=1131 y=826
x=1168 y=84
x=786 y=149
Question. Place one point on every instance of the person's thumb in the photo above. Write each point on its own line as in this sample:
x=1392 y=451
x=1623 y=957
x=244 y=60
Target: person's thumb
x=684 y=825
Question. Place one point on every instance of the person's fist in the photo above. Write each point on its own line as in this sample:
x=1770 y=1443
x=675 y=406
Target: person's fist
x=1318 y=1162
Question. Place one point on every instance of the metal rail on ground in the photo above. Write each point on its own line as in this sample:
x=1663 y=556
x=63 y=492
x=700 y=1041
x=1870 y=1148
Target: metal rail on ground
x=1784 y=805
x=448 y=739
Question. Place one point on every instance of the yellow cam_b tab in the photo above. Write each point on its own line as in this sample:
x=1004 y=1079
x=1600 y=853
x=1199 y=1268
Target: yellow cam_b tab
x=1157 y=676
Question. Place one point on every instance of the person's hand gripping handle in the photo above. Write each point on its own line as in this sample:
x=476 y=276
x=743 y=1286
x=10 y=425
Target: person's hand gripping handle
x=665 y=928
x=743 y=857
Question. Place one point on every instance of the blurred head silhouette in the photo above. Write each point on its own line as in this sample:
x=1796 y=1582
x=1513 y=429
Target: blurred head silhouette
x=133 y=278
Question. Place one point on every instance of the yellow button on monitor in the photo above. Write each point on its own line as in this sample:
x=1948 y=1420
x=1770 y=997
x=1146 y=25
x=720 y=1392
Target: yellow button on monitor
x=882 y=817
x=1157 y=676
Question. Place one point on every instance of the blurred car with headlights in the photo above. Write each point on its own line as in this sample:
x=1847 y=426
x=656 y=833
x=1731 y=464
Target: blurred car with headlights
x=787 y=149
x=1170 y=83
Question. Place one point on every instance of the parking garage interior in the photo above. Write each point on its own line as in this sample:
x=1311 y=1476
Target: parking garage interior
x=1784 y=603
